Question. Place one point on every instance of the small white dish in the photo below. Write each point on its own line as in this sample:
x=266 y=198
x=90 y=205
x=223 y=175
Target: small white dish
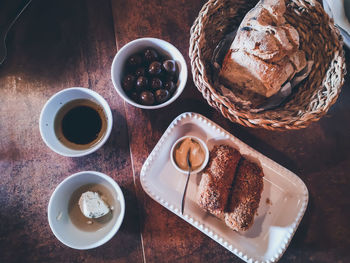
x=203 y=146
x=50 y=110
x=164 y=48
x=282 y=205
x=60 y=222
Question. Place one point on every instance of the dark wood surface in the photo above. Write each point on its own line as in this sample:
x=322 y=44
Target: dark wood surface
x=60 y=44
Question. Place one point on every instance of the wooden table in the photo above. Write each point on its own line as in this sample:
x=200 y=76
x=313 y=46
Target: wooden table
x=60 y=44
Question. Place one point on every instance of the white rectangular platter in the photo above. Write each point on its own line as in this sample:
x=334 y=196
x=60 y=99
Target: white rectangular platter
x=282 y=205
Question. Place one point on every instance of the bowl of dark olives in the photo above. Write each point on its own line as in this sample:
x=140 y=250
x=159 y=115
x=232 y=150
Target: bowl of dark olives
x=149 y=73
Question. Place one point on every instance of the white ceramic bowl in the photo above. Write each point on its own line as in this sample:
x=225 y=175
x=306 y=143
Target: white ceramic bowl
x=61 y=224
x=204 y=147
x=163 y=47
x=53 y=105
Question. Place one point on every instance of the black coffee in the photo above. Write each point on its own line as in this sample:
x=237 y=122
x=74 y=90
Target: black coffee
x=80 y=124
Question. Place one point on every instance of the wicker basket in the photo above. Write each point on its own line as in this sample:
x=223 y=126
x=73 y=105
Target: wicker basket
x=320 y=40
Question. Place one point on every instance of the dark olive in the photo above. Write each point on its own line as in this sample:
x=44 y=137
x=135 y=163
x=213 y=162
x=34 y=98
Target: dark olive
x=170 y=86
x=146 y=98
x=134 y=61
x=155 y=68
x=156 y=83
x=162 y=95
x=142 y=82
x=128 y=82
x=150 y=55
x=140 y=72
x=171 y=77
x=134 y=96
x=169 y=66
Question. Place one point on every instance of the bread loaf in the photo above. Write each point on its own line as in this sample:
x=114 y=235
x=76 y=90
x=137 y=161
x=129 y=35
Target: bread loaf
x=245 y=197
x=265 y=52
x=215 y=185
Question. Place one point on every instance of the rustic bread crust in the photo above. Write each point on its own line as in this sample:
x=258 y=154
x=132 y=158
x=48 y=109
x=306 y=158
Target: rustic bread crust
x=245 y=197
x=265 y=52
x=217 y=178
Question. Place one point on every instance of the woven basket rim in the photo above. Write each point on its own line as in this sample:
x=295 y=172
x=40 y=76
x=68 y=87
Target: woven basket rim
x=228 y=110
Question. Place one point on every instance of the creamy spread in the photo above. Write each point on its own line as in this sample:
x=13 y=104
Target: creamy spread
x=197 y=154
x=92 y=205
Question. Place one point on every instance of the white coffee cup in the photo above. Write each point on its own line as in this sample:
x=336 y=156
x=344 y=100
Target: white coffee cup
x=52 y=107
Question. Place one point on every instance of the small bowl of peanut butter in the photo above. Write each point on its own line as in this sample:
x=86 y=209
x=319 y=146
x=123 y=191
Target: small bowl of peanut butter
x=194 y=149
